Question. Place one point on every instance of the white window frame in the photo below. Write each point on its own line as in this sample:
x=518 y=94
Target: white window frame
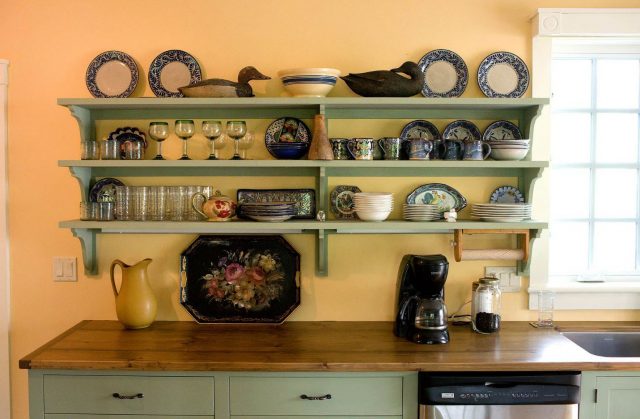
x=547 y=25
x=5 y=312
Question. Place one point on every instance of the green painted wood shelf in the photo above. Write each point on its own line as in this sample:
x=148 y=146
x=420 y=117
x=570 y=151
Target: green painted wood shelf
x=88 y=111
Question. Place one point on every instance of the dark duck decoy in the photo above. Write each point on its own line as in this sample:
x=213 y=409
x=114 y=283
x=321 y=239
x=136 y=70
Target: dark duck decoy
x=225 y=88
x=387 y=83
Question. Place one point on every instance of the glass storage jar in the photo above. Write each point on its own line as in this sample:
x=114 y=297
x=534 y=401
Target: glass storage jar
x=485 y=315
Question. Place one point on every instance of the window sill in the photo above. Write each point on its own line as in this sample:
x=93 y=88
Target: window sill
x=597 y=296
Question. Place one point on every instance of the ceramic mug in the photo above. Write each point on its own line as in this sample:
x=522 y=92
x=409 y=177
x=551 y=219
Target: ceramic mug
x=378 y=153
x=361 y=148
x=418 y=148
x=339 y=148
x=476 y=150
x=437 y=153
x=453 y=150
x=390 y=146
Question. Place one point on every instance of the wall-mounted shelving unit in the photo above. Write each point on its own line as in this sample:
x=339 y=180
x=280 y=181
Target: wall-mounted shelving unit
x=88 y=111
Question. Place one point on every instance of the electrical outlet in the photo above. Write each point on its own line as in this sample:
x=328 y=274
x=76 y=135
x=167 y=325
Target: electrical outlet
x=65 y=269
x=510 y=281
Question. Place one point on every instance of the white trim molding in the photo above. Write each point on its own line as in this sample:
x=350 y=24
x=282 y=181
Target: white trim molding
x=554 y=26
x=5 y=312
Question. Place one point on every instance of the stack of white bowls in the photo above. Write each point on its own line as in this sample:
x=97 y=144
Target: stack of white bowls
x=373 y=206
x=421 y=212
x=501 y=213
x=509 y=149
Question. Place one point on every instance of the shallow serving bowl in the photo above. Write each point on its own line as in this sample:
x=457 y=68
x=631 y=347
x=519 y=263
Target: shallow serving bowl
x=373 y=215
x=309 y=82
x=509 y=153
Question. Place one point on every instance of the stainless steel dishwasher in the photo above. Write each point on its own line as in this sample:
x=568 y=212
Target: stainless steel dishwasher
x=526 y=395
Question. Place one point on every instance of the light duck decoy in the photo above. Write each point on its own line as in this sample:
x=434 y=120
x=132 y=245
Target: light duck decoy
x=387 y=83
x=225 y=88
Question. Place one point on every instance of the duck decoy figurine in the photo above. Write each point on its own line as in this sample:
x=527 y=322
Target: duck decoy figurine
x=225 y=88
x=387 y=83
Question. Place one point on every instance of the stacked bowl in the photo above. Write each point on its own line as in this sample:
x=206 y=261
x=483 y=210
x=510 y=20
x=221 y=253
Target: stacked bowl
x=309 y=82
x=421 y=212
x=268 y=211
x=501 y=213
x=509 y=149
x=373 y=206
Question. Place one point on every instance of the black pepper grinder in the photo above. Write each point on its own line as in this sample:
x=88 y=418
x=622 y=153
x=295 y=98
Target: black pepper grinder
x=485 y=316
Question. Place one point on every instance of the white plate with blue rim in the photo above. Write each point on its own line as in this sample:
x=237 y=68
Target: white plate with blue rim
x=502 y=130
x=112 y=74
x=461 y=130
x=173 y=69
x=503 y=74
x=445 y=74
x=506 y=195
x=420 y=129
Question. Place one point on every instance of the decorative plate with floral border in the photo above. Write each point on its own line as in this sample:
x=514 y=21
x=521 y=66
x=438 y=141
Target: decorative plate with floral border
x=420 y=129
x=240 y=279
x=461 y=130
x=172 y=69
x=502 y=130
x=445 y=74
x=305 y=199
x=506 y=195
x=503 y=74
x=342 y=205
x=112 y=74
x=287 y=130
x=440 y=194
x=104 y=190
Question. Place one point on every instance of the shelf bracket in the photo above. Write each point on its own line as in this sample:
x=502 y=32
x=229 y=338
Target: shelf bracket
x=321 y=187
x=322 y=253
x=525 y=265
x=83 y=175
x=86 y=123
x=87 y=239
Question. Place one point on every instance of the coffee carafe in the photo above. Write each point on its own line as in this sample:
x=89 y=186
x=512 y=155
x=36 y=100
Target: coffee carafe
x=421 y=314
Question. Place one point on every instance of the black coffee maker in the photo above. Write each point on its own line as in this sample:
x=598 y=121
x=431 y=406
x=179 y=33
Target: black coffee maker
x=421 y=315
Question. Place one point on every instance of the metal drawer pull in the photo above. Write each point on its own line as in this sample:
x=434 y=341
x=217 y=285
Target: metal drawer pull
x=325 y=397
x=123 y=397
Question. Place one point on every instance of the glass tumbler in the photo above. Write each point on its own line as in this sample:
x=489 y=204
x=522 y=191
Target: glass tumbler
x=141 y=203
x=158 y=203
x=124 y=203
x=110 y=150
x=545 y=308
x=177 y=203
x=90 y=150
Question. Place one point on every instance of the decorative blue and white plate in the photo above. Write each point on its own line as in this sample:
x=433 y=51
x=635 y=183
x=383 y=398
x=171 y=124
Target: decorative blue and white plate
x=420 y=129
x=502 y=130
x=461 y=130
x=342 y=203
x=104 y=190
x=503 y=74
x=287 y=130
x=445 y=74
x=444 y=196
x=172 y=69
x=112 y=74
x=506 y=195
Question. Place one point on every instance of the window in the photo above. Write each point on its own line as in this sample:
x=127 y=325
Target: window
x=595 y=161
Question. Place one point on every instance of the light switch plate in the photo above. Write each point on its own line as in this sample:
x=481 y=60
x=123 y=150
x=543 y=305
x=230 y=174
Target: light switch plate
x=509 y=279
x=65 y=269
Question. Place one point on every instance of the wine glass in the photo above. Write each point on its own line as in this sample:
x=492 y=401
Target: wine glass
x=185 y=128
x=236 y=130
x=212 y=130
x=245 y=144
x=159 y=131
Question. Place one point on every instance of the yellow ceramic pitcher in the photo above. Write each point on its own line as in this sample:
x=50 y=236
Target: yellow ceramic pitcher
x=136 y=305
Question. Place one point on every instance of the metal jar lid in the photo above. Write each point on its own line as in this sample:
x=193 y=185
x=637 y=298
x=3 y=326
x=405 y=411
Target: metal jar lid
x=489 y=281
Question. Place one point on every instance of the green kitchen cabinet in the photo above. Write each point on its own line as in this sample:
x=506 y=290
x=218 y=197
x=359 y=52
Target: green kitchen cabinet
x=610 y=395
x=197 y=395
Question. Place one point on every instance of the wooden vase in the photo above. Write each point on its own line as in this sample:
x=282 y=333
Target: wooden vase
x=320 y=148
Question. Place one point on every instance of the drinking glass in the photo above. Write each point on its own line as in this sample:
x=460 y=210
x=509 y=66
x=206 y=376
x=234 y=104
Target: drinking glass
x=212 y=130
x=159 y=131
x=158 y=203
x=221 y=143
x=545 y=308
x=124 y=202
x=245 y=144
x=185 y=128
x=236 y=130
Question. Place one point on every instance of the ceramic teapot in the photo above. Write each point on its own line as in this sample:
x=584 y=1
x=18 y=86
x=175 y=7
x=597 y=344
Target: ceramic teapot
x=215 y=208
x=136 y=306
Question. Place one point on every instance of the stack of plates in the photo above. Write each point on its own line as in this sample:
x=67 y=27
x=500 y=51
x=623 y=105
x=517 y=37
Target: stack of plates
x=268 y=211
x=509 y=149
x=421 y=212
x=373 y=206
x=501 y=212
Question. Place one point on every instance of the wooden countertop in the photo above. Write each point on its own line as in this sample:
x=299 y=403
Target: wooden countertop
x=315 y=346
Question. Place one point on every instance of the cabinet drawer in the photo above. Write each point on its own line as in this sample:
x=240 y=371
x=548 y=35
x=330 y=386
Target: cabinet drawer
x=161 y=395
x=257 y=396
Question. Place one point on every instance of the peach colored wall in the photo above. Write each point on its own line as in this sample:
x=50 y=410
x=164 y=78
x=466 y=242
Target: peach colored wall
x=50 y=44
